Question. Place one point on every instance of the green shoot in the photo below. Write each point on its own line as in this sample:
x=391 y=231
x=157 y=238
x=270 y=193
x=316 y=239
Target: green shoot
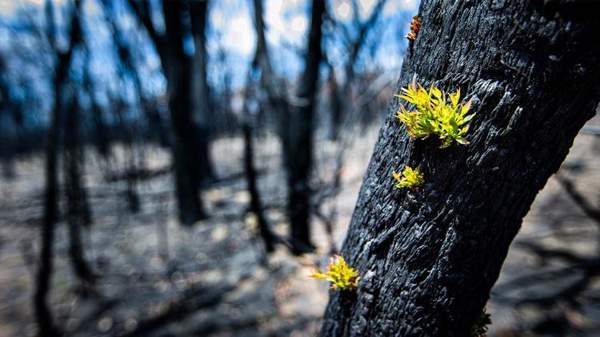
x=339 y=273
x=435 y=113
x=408 y=178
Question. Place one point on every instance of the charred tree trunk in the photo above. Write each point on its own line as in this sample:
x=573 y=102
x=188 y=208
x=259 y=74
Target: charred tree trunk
x=298 y=150
x=177 y=64
x=43 y=314
x=200 y=88
x=78 y=210
x=187 y=159
x=428 y=259
x=249 y=121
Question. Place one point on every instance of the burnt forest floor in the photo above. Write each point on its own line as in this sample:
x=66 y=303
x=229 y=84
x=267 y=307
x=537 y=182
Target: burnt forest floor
x=216 y=272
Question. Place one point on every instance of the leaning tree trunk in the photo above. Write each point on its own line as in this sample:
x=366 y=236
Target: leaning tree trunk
x=428 y=259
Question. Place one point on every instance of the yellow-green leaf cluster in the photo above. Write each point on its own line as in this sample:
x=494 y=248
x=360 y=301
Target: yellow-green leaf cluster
x=339 y=273
x=408 y=178
x=480 y=327
x=435 y=113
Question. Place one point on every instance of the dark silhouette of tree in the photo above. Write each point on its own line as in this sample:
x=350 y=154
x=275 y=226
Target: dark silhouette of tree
x=176 y=64
x=63 y=58
x=295 y=121
x=298 y=149
x=200 y=89
x=256 y=207
x=250 y=111
x=428 y=258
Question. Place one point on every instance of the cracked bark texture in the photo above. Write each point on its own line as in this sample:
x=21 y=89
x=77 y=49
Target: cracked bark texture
x=429 y=258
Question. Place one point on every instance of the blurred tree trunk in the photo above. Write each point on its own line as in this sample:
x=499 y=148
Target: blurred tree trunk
x=428 y=258
x=42 y=311
x=177 y=66
x=295 y=121
x=200 y=88
x=78 y=209
x=298 y=149
x=187 y=159
x=261 y=64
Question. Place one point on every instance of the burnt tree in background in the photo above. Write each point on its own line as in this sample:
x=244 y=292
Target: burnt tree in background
x=298 y=143
x=429 y=258
x=63 y=60
x=250 y=108
x=200 y=89
x=295 y=121
x=176 y=63
x=179 y=87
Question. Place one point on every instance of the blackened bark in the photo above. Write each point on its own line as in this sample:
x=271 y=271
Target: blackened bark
x=78 y=209
x=200 y=88
x=43 y=314
x=187 y=157
x=177 y=65
x=429 y=258
x=298 y=151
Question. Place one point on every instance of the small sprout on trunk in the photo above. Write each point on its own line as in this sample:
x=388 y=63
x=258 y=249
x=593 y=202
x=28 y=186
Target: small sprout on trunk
x=435 y=113
x=408 y=178
x=339 y=273
x=480 y=327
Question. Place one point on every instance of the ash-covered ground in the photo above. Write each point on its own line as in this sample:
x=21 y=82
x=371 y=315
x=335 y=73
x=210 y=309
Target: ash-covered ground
x=157 y=278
